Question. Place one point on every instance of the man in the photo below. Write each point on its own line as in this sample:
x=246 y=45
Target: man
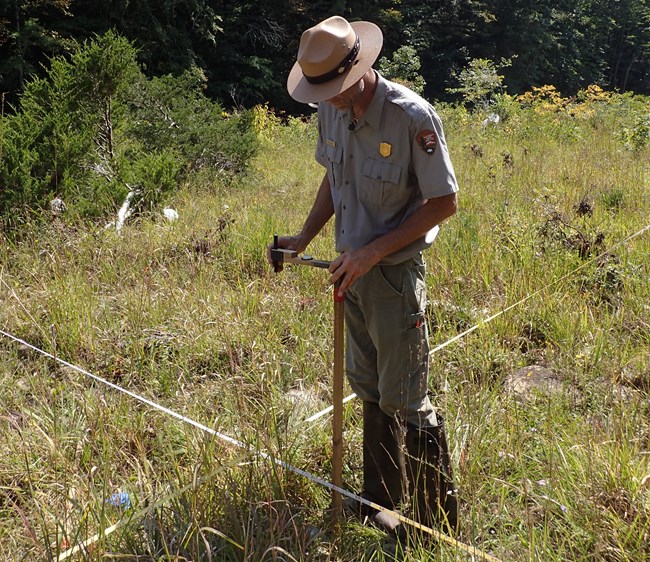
x=389 y=182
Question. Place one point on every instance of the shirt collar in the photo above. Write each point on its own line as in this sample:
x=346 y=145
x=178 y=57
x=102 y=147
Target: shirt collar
x=372 y=115
x=375 y=108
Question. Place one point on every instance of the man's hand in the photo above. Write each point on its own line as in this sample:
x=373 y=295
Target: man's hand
x=287 y=243
x=349 y=266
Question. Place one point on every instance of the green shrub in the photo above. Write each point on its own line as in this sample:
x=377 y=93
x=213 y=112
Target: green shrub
x=172 y=113
x=404 y=68
x=95 y=128
x=637 y=136
x=480 y=81
x=153 y=175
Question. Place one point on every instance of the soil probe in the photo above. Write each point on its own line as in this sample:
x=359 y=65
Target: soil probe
x=280 y=256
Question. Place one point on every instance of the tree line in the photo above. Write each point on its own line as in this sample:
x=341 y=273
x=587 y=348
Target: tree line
x=246 y=48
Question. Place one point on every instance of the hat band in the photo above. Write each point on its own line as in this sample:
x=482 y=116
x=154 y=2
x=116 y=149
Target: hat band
x=346 y=64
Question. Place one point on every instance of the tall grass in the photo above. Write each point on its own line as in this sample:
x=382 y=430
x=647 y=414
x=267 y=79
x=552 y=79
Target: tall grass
x=189 y=315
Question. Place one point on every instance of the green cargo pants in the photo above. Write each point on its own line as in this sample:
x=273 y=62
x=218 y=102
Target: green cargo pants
x=387 y=350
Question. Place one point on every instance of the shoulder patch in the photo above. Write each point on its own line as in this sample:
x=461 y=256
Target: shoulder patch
x=427 y=140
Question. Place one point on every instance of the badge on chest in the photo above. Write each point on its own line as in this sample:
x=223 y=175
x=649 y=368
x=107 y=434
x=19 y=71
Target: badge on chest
x=385 y=149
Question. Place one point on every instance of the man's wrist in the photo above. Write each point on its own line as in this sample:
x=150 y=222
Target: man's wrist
x=374 y=254
x=302 y=241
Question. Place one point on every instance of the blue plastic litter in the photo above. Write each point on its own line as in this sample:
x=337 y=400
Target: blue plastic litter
x=120 y=499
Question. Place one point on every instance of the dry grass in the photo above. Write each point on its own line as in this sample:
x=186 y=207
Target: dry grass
x=189 y=315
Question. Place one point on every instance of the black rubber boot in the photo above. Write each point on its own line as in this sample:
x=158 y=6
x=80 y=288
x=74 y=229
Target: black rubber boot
x=384 y=468
x=431 y=485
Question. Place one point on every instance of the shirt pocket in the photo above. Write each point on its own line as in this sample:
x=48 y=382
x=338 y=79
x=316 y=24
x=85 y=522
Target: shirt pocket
x=334 y=155
x=378 y=179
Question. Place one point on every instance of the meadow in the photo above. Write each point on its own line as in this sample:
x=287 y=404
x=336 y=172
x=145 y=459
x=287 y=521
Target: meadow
x=547 y=404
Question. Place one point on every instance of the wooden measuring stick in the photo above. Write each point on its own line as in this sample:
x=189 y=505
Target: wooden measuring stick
x=337 y=401
x=281 y=256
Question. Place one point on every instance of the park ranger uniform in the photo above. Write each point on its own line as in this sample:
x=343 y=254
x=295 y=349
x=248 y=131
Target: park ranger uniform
x=381 y=169
x=380 y=173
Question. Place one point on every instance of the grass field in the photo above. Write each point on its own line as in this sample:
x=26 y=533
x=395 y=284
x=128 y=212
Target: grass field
x=547 y=405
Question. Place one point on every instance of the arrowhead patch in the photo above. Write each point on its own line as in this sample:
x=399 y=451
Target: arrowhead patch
x=427 y=140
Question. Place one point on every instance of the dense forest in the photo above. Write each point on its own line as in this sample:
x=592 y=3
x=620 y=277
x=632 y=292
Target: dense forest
x=246 y=47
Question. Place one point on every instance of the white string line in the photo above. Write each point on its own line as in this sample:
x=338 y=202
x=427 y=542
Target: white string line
x=83 y=545
x=436 y=534
x=316 y=479
x=329 y=409
x=496 y=315
x=141 y=513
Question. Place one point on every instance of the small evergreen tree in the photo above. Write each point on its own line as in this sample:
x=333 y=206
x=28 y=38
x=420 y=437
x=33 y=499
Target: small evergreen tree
x=95 y=129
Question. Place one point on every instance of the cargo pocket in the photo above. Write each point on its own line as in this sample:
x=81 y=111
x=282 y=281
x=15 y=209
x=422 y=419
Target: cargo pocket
x=378 y=178
x=417 y=344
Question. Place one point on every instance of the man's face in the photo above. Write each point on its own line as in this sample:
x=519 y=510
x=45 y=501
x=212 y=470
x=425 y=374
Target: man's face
x=347 y=98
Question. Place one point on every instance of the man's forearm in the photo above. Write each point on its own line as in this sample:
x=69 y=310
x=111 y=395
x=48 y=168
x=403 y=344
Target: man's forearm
x=432 y=213
x=321 y=212
x=349 y=266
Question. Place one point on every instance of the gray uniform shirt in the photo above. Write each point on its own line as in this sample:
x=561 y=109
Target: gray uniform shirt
x=382 y=171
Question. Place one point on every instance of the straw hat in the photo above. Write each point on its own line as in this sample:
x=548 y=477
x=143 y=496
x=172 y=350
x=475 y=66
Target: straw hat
x=332 y=56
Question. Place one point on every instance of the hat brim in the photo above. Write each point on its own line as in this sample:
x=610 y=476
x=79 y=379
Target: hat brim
x=301 y=90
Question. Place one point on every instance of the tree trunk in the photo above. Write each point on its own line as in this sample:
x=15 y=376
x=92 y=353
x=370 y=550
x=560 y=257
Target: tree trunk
x=627 y=70
x=20 y=48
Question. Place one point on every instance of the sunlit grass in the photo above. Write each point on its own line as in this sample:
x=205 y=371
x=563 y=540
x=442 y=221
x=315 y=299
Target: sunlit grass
x=189 y=315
